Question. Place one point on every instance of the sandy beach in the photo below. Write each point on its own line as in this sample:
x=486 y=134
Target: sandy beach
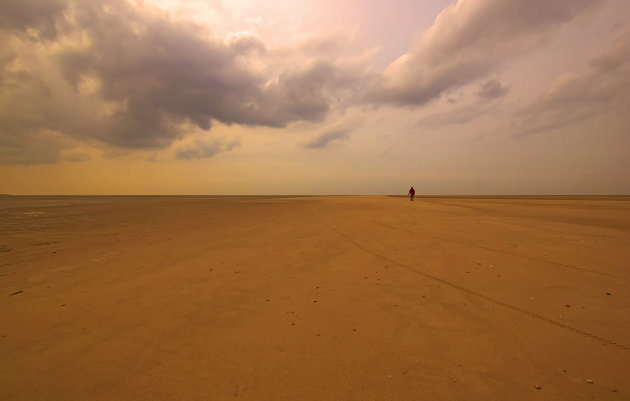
x=314 y=298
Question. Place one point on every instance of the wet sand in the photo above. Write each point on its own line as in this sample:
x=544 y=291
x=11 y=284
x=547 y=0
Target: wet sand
x=314 y=298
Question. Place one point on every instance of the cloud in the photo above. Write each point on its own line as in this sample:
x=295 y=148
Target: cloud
x=200 y=149
x=571 y=98
x=120 y=74
x=41 y=148
x=469 y=40
x=459 y=115
x=245 y=43
x=492 y=89
x=35 y=19
x=327 y=138
x=158 y=74
x=131 y=77
x=77 y=157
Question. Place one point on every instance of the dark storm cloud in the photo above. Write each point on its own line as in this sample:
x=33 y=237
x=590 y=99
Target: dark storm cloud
x=492 y=89
x=165 y=73
x=309 y=93
x=34 y=18
x=246 y=44
x=469 y=40
x=149 y=75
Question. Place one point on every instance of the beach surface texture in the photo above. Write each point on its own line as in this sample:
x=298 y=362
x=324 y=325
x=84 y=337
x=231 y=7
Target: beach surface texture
x=314 y=298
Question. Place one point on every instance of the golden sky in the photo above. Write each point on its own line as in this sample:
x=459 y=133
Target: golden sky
x=314 y=97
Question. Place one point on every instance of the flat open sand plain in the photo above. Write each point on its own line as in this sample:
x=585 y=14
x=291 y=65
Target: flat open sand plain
x=314 y=298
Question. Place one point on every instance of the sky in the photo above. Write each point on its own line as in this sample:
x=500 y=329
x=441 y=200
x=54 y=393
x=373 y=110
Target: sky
x=314 y=97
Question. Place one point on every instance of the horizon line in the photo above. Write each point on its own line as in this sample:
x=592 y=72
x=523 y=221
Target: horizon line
x=312 y=195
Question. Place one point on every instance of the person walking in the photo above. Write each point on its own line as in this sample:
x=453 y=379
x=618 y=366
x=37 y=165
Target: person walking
x=412 y=193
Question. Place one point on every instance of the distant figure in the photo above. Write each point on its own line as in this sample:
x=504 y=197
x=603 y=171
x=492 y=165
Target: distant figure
x=412 y=193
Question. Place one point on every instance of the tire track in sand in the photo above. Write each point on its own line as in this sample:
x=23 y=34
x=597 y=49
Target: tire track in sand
x=500 y=251
x=465 y=290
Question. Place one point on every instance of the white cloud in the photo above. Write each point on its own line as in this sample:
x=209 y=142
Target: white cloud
x=469 y=40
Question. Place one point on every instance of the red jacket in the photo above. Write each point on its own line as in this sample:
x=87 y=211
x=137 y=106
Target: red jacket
x=412 y=191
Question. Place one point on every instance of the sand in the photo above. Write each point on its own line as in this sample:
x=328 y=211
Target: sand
x=314 y=298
